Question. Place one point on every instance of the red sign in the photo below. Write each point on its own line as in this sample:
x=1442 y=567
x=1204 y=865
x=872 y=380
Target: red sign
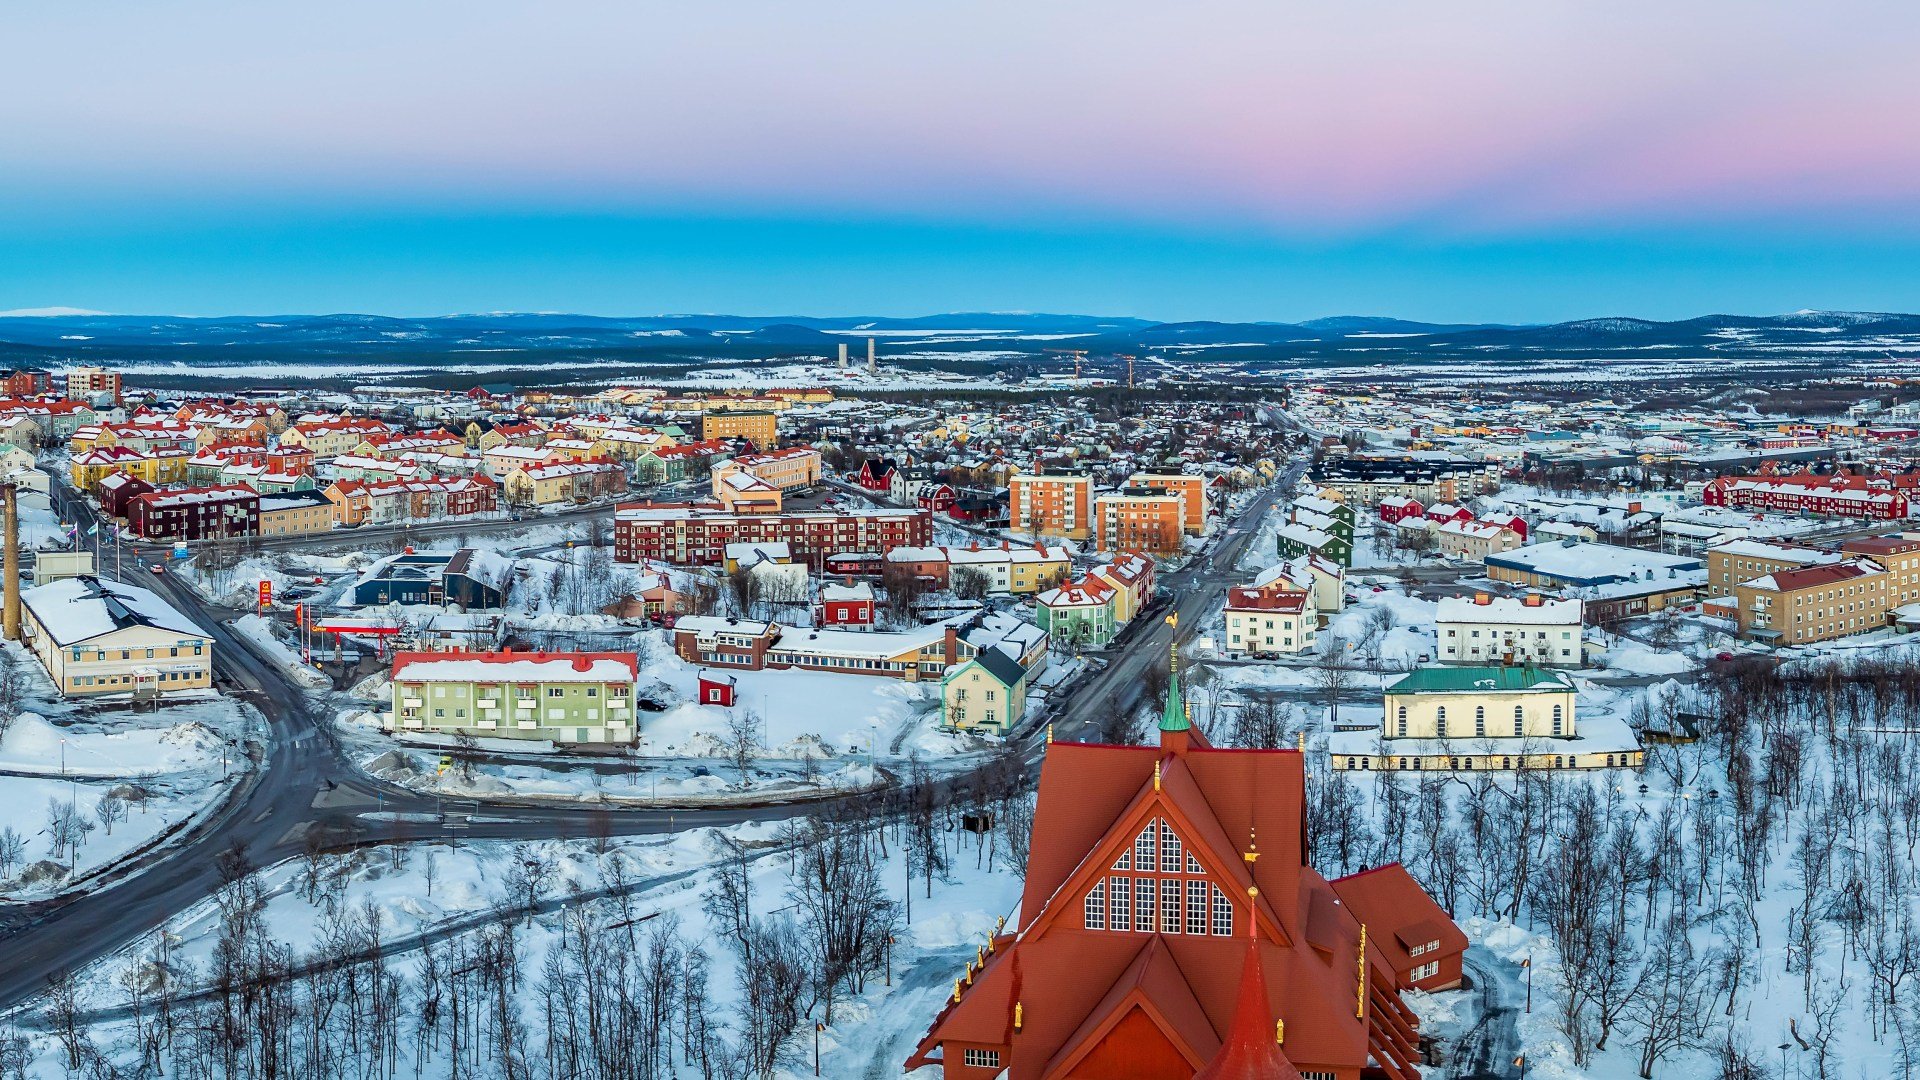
x=266 y=595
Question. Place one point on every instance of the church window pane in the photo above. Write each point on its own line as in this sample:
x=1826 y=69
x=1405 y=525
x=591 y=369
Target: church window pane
x=1196 y=906
x=1143 y=907
x=1169 y=906
x=1120 y=898
x=1169 y=850
x=1096 y=907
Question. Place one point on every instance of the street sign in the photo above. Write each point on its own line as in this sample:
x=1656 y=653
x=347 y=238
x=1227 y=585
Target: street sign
x=266 y=595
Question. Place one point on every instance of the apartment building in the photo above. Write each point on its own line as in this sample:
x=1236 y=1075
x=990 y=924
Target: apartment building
x=566 y=697
x=82 y=383
x=295 y=513
x=209 y=513
x=1835 y=496
x=785 y=470
x=1005 y=568
x=692 y=534
x=1534 y=630
x=760 y=428
x=1744 y=560
x=1192 y=491
x=1270 y=620
x=1474 y=539
x=1815 y=603
x=1900 y=555
x=1153 y=524
x=1051 y=505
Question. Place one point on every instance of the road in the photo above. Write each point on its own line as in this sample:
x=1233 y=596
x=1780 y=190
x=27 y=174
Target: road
x=304 y=787
x=1486 y=1050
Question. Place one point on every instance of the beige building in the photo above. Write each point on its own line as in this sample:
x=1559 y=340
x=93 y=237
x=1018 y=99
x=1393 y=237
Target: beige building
x=295 y=513
x=96 y=636
x=1815 y=603
x=1743 y=560
x=786 y=470
x=1474 y=539
x=1479 y=719
x=1480 y=703
x=759 y=427
x=559 y=697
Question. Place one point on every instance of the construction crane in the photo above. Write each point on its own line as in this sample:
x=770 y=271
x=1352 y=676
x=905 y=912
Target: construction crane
x=1077 y=354
x=1129 y=358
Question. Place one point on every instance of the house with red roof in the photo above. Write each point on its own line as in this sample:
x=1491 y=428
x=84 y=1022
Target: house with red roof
x=1172 y=927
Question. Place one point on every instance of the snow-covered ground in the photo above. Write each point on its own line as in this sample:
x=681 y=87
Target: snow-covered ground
x=122 y=779
x=428 y=891
x=817 y=731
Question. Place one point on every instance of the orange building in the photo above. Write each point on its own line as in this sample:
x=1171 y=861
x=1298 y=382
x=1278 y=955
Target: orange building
x=1150 y=523
x=1172 y=927
x=1051 y=505
x=762 y=429
x=1191 y=489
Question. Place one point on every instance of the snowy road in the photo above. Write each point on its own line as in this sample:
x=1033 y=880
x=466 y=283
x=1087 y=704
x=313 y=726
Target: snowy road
x=1487 y=1050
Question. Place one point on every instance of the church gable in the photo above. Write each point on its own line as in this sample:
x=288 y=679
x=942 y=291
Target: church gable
x=1153 y=883
x=1136 y=1048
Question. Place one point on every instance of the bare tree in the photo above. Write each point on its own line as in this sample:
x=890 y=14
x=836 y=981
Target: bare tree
x=745 y=738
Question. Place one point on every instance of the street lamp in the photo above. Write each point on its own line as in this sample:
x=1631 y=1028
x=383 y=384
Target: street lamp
x=818 y=1027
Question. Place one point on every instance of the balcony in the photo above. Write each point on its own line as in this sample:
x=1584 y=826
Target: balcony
x=411 y=702
x=529 y=723
x=525 y=703
x=488 y=724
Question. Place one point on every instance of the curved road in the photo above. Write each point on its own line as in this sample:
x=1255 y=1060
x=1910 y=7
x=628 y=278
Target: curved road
x=304 y=787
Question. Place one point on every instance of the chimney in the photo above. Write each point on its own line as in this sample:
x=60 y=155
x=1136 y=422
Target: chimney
x=950 y=646
x=843 y=356
x=1533 y=600
x=1481 y=599
x=872 y=367
x=10 y=521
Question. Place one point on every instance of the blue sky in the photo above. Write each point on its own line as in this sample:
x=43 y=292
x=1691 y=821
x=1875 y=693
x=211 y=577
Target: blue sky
x=1487 y=160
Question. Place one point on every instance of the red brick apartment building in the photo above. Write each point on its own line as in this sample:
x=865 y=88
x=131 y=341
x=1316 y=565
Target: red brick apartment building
x=697 y=534
x=208 y=513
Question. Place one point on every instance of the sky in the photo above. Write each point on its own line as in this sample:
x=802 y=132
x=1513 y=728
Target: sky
x=1473 y=160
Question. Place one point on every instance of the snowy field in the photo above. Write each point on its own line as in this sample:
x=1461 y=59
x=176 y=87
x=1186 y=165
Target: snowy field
x=420 y=923
x=87 y=785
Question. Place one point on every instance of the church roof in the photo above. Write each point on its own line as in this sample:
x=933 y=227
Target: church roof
x=1251 y=1048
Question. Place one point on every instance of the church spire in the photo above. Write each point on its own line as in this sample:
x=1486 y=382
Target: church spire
x=1251 y=1048
x=1174 y=716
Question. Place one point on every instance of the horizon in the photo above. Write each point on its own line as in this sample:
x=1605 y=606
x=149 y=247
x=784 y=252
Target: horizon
x=56 y=312
x=1228 y=161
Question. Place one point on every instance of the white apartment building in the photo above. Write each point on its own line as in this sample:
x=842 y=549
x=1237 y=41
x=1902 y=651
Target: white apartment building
x=1483 y=629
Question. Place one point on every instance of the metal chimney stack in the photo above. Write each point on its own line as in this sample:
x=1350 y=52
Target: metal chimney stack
x=872 y=367
x=10 y=521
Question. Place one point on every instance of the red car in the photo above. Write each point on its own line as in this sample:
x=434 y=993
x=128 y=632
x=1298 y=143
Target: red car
x=1724 y=657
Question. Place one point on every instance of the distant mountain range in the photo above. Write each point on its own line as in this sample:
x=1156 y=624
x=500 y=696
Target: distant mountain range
x=64 y=337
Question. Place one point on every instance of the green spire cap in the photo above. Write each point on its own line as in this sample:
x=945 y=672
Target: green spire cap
x=1174 y=716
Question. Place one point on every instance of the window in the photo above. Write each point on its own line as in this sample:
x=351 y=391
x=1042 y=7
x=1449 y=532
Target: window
x=1480 y=721
x=1197 y=906
x=1169 y=850
x=1557 y=714
x=1120 y=902
x=1124 y=862
x=1519 y=720
x=1222 y=914
x=1169 y=906
x=554 y=691
x=1143 y=848
x=1095 y=913
x=1401 y=719
x=1143 y=907
x=1426 y=971
x=980 y=1059
x=1440 y=721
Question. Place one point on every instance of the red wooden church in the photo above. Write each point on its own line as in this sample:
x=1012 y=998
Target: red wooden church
x=1171 y=929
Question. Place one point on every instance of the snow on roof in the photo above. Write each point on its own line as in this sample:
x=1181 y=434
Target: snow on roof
x=1508 y=610
x=78 y=609
x=1592 y=564
x=516 y=667
x=1760 y=549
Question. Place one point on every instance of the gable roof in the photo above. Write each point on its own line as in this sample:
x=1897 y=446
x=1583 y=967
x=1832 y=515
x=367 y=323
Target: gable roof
x=1484 y=679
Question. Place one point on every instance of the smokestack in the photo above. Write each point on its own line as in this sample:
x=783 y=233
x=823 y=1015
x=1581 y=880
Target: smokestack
x=872 y=367
x=10 y=521
x=843 y=356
